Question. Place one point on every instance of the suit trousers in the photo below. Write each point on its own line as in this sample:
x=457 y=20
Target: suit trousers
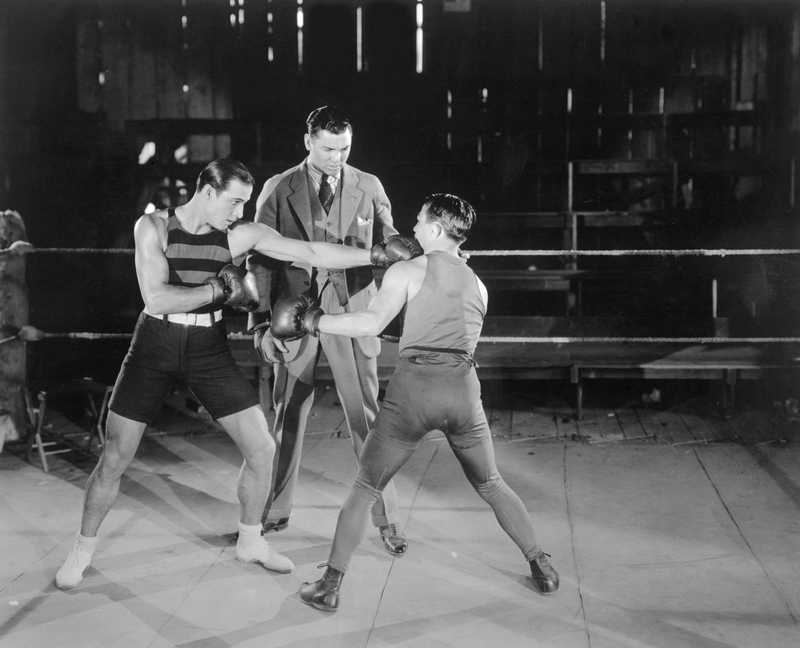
x=356 y=379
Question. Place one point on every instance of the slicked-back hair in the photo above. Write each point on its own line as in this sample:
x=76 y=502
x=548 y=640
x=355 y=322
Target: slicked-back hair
x=329 y=118
x=455 y=215
x=221 y=171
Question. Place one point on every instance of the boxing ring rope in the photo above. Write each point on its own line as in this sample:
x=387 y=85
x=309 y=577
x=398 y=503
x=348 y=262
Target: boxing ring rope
x=539 y=253
x=699 y=252
x=244 y=337
x=28 y=333
x=29 y=249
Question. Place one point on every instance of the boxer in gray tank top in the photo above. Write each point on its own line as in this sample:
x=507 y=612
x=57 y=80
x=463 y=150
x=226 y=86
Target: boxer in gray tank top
x=434 y=387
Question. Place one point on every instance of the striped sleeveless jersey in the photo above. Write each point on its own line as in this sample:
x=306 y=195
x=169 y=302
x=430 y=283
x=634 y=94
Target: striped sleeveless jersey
x=194 y=258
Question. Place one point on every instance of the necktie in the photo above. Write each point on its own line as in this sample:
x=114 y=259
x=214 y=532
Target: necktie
x=325 y=193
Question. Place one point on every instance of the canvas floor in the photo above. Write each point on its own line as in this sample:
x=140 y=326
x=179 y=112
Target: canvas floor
x=686 y=535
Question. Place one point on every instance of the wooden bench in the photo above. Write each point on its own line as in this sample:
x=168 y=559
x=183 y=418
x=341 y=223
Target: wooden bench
x=581 y=361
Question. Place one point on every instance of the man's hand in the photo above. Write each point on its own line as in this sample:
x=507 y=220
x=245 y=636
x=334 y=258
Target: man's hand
x=267 y=347
x=396 y=248
x=293 y=317
x=235 y=287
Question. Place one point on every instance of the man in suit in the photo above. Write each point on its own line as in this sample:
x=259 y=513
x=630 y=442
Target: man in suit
x=322 y=199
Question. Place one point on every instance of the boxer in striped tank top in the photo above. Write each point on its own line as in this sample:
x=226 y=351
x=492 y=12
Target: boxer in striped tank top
x=434 y=387
x=185 y=265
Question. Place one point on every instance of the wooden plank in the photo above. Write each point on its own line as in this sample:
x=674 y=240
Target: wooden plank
x=535 y=423
x=697 y=421
x=115 y=68
x=528 y=419
x=786 y=425
x=652 y=425
x=565 y=422
x=722 y=429
x=608 y=426
x=541 y=326
x=142 y=90
x=733 y=164
x=88 y=51
x=766 y=427
x=631 y=425
x=588 y=429
x=530 y=281
x=677 y=430
x=624 y=167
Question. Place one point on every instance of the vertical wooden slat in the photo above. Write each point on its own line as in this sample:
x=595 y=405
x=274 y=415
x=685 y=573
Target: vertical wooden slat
x=89 y=54
x=115 y=70
x=169 y=55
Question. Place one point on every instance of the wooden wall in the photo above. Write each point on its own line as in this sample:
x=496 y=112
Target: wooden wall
x=505 y=84
x=555 y=106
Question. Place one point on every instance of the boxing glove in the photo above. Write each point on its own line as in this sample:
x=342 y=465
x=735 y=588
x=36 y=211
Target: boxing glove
x=218 y=289
x=293 y=317
x=238 y=288
x=396 y=248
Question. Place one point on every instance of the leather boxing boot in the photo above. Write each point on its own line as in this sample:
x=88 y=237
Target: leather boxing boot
x=394 y=543
x=544 y=577
x=324 y=593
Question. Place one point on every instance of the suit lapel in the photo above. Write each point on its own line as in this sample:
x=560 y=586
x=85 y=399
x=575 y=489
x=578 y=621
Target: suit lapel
x=351 y=198
x=300 y=200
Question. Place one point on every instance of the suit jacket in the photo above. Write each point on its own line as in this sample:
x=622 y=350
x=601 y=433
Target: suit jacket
x=285 y=205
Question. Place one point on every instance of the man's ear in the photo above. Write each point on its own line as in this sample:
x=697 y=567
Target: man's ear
x=307 y=141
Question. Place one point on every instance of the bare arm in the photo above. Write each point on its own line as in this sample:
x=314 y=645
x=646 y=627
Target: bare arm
x=152 y=271
x=391 y=298
x=245 y=236
x=260 y=267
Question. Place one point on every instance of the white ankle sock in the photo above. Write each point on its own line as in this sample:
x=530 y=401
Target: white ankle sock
x=249 y=534
x=86 y=543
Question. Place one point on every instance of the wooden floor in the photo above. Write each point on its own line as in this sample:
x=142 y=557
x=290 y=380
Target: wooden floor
x=670 y=526
x=676 y=413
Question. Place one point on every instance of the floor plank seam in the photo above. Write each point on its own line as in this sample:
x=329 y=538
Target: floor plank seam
x=574 y=552
x=374 y=621
x=776 y=587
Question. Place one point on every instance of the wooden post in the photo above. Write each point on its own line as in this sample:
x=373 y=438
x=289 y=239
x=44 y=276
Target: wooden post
x=13 y=316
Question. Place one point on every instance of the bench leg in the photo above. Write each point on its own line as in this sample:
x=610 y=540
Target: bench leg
x=728 y=392
x=575 y=379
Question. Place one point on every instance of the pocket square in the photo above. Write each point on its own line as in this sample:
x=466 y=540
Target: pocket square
x=364 y=221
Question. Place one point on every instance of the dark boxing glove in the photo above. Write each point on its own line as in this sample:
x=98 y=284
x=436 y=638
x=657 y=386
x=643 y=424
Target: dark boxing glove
x=293 y=317
x=238 y=287
x=218 y=289
x=396 y=248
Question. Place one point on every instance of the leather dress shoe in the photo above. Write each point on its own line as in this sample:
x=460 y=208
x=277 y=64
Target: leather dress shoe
x=395 y=544
x=280 y=525
x=324 y=593
x=544 y=577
